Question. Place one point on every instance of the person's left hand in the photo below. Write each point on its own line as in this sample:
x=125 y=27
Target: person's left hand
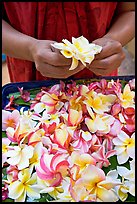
x=109 y=58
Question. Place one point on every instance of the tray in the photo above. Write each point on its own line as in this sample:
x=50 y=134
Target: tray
x=13 y=87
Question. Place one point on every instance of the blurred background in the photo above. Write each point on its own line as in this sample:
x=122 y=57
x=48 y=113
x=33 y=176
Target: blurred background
x=127 y=67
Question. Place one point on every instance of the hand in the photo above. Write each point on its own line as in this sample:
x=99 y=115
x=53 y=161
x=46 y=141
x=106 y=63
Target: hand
x=50 y=62
x=110 y=57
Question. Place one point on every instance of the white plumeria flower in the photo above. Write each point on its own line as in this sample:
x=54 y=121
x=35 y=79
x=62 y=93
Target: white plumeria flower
x=79 y=50
x=45 y=187
x=5 y=145
x=129 y=176
x=37 y=152
x=124 y=146
x=20 y=155
x=65 y=196
x=39 y=107
x=127 y=97
x=25 y=185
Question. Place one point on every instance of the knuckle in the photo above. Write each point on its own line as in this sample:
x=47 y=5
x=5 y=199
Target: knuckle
x=106 y=63
x=118 y=46
x=123 y=56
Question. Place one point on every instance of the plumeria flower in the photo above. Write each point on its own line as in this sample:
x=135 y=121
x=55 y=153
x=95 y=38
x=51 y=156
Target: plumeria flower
x=81 y=159
x=62 y=136
x=101 y=156
x=25 y=95
x=10 y=105
x=99 y=102
x=24 y=127
x=5 y=145
x=127 y=118
x=35 y=137
x=65 y=196
x=80 y=49
x=20 y=155
x=127 y=97
x=12 y=174
x=52 y=168
x=45 y=187
x=37 y=152
x=76 y=103
x=132 y=84
x=82 y=141
x=47 y=118
x=62 y=145
x=24 y=186
x=124 y=146
x=95 y=184
x=129 y=176
x=10 y=119
x=99 y=123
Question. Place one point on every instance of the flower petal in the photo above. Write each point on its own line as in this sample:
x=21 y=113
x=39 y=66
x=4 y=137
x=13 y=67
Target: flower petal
x=15 y=189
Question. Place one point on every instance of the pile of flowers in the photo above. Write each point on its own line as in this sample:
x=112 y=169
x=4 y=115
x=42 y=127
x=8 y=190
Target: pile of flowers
x=75 y=142
x=79 y=50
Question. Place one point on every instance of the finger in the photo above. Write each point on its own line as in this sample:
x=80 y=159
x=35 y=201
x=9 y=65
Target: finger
x=111 y=61
x=48 y=70
x=109 y=49
x=57 y=59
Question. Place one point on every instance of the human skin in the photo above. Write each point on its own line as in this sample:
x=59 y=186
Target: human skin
x=21 y=46
x=121 y=32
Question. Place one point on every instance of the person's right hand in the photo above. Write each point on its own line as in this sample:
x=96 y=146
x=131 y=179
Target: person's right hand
x=50 y=62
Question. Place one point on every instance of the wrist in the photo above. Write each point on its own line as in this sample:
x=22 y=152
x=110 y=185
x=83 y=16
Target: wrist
x=32 y=45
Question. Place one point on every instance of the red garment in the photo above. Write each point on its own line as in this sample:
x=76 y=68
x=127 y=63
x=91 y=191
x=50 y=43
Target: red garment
x=56 y=21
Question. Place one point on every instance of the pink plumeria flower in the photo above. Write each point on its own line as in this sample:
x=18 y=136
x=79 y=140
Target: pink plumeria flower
x=104 y=87
x=12 y=174
x=124 y=146
x=25 y=95
x=36 y=136
x=10 y=119
x=115 y=109
x=24 y=127
x=132 y=84
x=115 y=128
x=52 y=168
x=74 y=117
x=50 y=100
x=62 y=136
x=10 y=104
x=82 y=141
x=127 y=118
x=101 y=156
